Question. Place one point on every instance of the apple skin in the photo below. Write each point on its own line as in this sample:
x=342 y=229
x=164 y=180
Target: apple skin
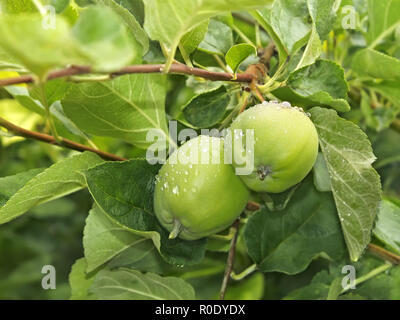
x=285 y=146
x=201 y=198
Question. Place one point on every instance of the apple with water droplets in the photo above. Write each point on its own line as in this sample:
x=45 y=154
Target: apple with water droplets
x=196 y=193
x=285 y=146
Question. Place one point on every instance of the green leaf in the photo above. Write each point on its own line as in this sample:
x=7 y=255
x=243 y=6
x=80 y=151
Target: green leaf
x=263 y=17
x=288 y=240
x=293 y=24
x=322 y=76
x=194 y=37
x=131 y=206
x=218 y=244
x=129 y=19
x=322 y=180
x=312 y=50
x=218 y=39
x=55 y=90
x=323 y=18
x=32 y=100
x=387 y=148
x=389 y=89
x=169 y=20
x=13 y=112
x=105 y=39
x=124 y=108
x=58 y=113
x=251 y=288
x=321 y=83
x=39 y=49
x=57 y=181
x=387 y=225
x=135 y=7
x=377 y=118
x=395 y=290
x=18 y=6
x=289 y=21
x=323 y=15
x=208 y=267
x=335 y=289
x=120 y=247
x=80 y=281
x=199 y=86
x=372 y=63
x=59 y=5
x=383 y=15
x=127 y=284
x=355 y=184
x=11 y=184
x=71 y=12
x=239 y=53
x=327 y=285
x=207 y=109
x=381 y=287
x=318 y=289
x=278 y=201
x=22 y=95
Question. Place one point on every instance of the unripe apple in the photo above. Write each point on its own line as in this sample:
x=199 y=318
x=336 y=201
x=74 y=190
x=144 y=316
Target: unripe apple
x=194 y=199
x=285 y=146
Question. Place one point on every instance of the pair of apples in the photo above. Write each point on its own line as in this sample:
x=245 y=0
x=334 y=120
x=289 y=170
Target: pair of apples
x=195 y=200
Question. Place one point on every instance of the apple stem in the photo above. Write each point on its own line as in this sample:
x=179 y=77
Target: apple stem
x=175 y=230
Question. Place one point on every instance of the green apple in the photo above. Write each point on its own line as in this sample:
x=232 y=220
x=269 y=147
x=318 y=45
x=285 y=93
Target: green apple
x=196 y=193
x=285 y=146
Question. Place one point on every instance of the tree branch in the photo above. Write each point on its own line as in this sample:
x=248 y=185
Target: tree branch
x=65 y=143
x=229 y=262
x=384 y=254
x=245 y=19
x=252 y=206
x=266 y=54
x=176 y=68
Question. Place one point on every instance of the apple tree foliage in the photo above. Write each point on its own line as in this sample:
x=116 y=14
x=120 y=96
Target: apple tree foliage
x=338 y=60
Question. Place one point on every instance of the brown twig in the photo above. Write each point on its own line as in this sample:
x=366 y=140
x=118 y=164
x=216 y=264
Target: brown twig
x=384 y=254
x=256 y=92
x=246 y=19
x=258 y=72
x=244 y=105
x=176 y=68
x=266 y=54
x=230 y=260
x=252 y=206
x=65 y=143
